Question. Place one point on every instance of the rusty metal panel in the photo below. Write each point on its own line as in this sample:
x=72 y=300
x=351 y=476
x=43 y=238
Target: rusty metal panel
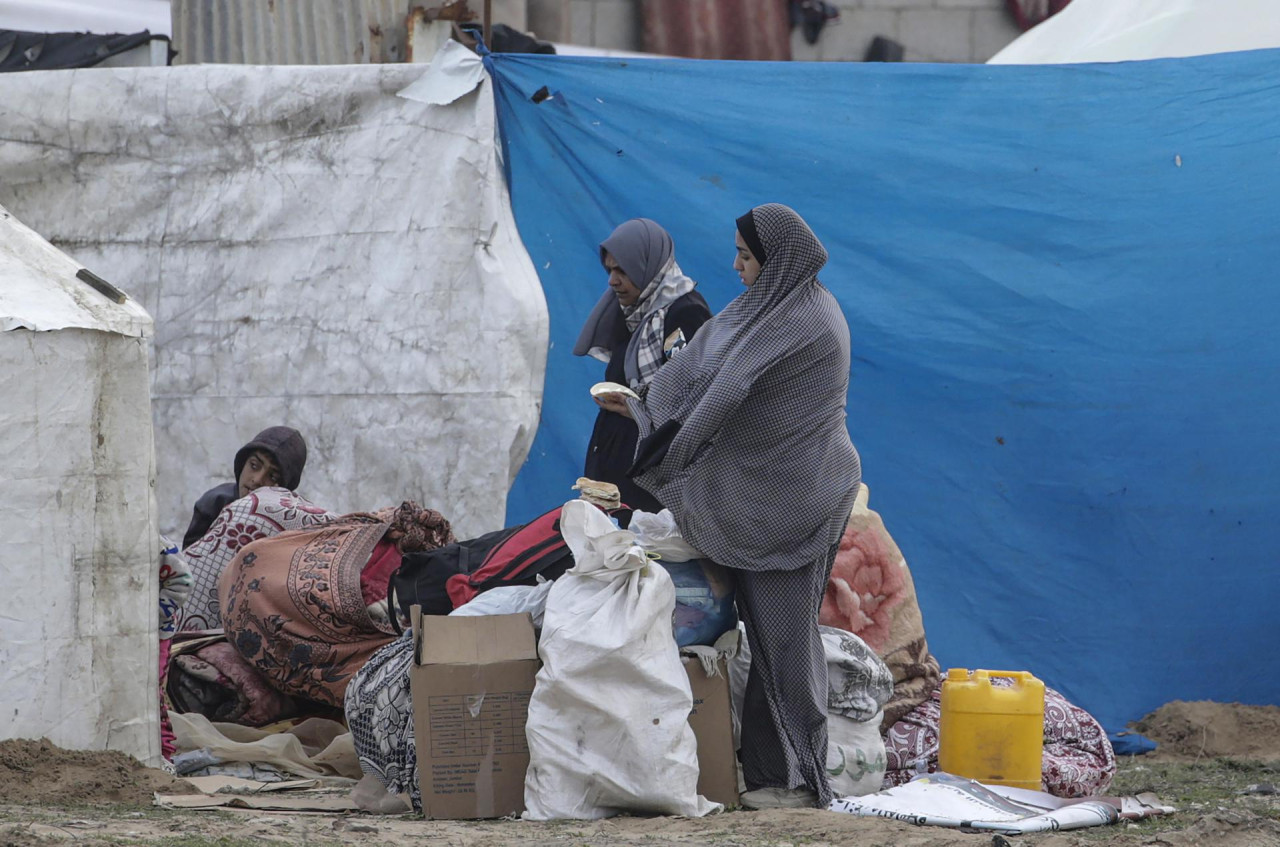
x=289 y=32
x=718 y=29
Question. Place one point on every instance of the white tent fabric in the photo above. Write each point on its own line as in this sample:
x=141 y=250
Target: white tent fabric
x=41 y=291
x=316 y=252
x=78 y=543
x=118 y=16
x=1124 y=30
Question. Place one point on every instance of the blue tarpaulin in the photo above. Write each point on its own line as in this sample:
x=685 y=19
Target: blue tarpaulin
x=1061 y=284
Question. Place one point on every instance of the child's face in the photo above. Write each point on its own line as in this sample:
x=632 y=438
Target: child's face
x=260 y=470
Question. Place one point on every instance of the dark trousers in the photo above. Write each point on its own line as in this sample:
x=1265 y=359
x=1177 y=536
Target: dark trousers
x=784 y=713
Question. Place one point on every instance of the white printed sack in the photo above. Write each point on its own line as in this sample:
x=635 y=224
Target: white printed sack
x=858 y=686
x=608 y=726
x=859 y=683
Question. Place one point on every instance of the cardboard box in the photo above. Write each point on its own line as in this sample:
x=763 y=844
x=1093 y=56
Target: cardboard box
x=713 y=727
x=471 y=682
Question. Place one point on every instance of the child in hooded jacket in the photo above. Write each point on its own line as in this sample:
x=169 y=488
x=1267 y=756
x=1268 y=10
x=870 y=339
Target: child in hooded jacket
x=275 y=456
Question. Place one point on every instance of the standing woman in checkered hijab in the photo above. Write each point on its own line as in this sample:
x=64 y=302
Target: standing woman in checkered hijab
x=648 y=313
x=743 y=438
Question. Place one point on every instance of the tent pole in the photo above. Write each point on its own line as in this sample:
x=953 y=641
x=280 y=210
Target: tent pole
x=488 y=21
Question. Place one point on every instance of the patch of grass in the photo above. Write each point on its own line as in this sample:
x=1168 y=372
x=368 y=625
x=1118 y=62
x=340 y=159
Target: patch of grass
x=1207 y=781
x=1193 y=788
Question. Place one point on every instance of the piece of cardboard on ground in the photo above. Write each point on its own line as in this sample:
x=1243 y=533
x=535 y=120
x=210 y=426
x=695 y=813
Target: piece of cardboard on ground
x=713 y=729
x=240 y=785
x=301 y=801
x=471 y=681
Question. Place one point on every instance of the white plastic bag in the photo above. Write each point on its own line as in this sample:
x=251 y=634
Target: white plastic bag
x=658 y=533
x=858 y=686
x=608 y=725
x=509 y=600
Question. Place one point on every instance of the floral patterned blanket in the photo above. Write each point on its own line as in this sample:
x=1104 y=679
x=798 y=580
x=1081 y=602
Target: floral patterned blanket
x=262 y=514
x=293 y=608
x=293 y=605
x=871 y=594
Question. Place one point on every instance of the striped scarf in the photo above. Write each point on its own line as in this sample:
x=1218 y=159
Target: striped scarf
x=647 y=322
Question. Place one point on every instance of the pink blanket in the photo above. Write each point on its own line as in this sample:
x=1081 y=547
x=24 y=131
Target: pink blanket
x=871 y=594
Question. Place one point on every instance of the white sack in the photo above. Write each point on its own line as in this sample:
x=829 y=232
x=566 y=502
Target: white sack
x=855 y=755
x=858 y=685
x=316 y=251
x=608 y=726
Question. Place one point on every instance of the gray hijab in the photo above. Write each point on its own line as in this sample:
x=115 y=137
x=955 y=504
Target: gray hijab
x=641 y=247
x=646 y=254
x=761 y=474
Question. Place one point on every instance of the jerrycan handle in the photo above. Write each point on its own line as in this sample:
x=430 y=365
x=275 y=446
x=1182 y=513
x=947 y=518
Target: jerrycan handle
x=1021 y=676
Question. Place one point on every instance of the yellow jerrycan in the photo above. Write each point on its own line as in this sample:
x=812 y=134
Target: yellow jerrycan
x=992 y=733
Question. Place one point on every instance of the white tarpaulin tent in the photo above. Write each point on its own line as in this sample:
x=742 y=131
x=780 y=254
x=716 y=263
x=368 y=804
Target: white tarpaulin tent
x=1123 y=30
x=78 y=542
x=118 y=16
x=317 y=252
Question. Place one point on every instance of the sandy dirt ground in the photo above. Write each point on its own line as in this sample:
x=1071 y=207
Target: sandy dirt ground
x=1219 y=764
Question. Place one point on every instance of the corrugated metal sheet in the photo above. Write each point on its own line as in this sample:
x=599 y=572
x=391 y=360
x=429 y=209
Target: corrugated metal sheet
x=718 y=29
x=289 y=32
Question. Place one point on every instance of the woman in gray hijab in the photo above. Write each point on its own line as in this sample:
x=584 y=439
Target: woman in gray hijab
x=649 y=312
x=743 y=438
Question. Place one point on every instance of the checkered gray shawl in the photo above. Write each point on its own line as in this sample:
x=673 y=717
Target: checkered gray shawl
x=762 y=474
x=647 y=255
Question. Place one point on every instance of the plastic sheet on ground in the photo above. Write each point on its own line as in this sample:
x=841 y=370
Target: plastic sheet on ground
x=940 y=799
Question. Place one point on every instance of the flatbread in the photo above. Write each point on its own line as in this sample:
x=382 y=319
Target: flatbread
x=603 y=494
x=612 y=388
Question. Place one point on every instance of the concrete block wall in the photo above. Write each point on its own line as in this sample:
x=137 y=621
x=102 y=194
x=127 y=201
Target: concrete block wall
x=513 y=13
x=608 y=24
x=930 y=30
